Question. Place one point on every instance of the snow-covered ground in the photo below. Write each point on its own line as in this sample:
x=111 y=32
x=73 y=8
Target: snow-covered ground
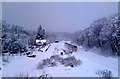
x=0 y=66
x=91 y=63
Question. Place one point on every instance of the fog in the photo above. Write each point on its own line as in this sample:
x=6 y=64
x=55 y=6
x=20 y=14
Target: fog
x=56 y=16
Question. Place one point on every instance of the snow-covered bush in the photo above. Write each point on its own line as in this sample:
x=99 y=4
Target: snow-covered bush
x=5 y=59
x=46 y=63
x=55 y=58
x=40 y=66
x=52 y=64
x=70 y=61
x=104 y=73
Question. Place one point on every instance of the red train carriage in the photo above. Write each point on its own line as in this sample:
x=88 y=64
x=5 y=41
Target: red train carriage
x=71 y=47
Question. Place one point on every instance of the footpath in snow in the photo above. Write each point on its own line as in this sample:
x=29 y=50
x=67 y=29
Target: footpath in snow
x=21 y=66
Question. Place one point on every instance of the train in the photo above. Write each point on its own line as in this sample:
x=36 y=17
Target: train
x=71 y=47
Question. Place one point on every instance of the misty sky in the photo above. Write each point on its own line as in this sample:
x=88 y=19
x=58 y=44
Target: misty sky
x=58 y=17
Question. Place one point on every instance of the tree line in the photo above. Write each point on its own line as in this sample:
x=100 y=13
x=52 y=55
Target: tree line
x=103 y=33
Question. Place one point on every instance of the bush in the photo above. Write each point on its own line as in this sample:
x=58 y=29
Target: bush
x=55 y=58
x=40 y=66
x=104 y=73
x=52 y=64
x=46 y=62
x=5 y=60
x=70 y=61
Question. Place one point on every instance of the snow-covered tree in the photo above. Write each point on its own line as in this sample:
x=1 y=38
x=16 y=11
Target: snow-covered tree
x=14 y=38
x=103 y=33
x=40 y=33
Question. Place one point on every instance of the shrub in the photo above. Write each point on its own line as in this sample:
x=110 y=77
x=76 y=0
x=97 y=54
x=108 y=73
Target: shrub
x=104 y=73
x=70 y=61
x=55 y=58
x=40 y=66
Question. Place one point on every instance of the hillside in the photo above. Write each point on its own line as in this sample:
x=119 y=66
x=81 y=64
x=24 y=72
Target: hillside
x=103 y=34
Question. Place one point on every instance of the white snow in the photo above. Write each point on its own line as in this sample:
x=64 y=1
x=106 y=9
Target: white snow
x=0 y=66
x=91 y=62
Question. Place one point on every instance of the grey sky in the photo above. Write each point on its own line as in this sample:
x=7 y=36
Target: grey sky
x=60 y=17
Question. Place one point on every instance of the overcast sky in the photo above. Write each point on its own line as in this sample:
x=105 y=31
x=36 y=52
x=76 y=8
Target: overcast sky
x=58 y=17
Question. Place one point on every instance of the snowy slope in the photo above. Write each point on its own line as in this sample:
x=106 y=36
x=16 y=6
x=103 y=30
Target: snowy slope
x=22 y=65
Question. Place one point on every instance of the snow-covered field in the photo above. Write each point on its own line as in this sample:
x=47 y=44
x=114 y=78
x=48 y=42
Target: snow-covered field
x=0 y=66
x=21 y=66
